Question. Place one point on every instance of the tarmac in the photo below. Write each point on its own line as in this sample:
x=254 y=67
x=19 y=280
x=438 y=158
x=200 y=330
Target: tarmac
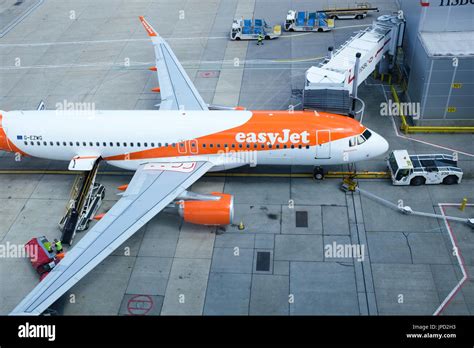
x=97 y=52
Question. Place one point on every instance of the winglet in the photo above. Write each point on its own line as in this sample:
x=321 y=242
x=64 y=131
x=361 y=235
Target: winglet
x=148 y=27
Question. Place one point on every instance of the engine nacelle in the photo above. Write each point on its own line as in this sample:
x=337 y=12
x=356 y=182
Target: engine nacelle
x=218 y=212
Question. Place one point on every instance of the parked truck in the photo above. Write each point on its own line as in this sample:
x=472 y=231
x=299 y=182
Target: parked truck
x=418 y=170
x=357 y=11
x=248 y=29
x=308 y=21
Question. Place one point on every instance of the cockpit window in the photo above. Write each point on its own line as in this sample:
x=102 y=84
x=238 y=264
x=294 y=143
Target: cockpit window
x=367 y=134
x=360 y=139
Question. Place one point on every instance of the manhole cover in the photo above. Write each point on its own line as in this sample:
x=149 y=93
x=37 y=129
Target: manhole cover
x=301 y=219
x=263 y=261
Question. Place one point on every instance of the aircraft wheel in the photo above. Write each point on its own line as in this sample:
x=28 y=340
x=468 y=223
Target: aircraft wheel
x=318 y=173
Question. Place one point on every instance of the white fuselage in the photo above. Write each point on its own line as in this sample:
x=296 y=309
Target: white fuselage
x=218 y=136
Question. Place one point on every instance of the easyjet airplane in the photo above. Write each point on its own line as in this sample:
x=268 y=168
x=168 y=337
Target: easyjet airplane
x=169 y=149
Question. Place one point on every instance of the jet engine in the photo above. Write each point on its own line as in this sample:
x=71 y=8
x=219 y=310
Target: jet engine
x=208 y=212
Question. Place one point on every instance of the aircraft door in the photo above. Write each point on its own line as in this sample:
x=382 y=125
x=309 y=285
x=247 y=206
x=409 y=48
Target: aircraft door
x=188 y=147
x=323 y=144
x=193 y=147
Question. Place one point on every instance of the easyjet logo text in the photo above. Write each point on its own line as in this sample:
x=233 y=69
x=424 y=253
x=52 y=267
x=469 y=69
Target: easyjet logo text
x=272 y=138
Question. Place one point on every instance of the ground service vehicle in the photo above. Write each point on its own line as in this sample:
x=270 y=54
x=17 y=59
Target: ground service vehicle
x=417 y=170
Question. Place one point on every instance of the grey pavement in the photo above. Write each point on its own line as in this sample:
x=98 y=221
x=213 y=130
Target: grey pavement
x=285 y=261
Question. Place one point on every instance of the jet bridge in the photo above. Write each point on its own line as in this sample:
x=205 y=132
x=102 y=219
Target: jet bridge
x=332 y=86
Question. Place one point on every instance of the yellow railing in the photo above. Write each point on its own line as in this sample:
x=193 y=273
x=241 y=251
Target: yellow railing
x=406 y=128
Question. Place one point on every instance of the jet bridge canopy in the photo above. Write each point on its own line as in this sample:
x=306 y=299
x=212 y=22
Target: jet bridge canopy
x=334 y=77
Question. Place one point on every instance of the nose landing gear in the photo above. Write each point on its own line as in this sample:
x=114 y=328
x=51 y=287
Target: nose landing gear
x=318 y=173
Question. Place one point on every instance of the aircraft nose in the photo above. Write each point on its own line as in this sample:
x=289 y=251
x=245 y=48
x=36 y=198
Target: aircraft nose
x=380 y=145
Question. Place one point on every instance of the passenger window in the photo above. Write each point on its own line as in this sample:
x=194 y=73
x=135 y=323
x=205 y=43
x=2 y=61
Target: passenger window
x=138 y=144
x=233 y=146
x=58 y=143
x=255 y=146
x=211 y=145
x=218 y=145
x=38 y=142
x=64 y=143
x=97 y=144
x=45 y=143
x=292 y=146
x=131 y=144
x=145 y=144
x=203 y=145
x=285 y=146
x=270 y=146
x=124 y=144
x=111 y=144
x=240 y=146
x=277 y=146
x=71 y=143
x=118 y=144
x=104 y=143
x=32 y=143
x=152 y=144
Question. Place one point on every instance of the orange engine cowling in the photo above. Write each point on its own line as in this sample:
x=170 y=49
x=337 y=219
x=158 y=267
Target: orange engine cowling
x=220 y=212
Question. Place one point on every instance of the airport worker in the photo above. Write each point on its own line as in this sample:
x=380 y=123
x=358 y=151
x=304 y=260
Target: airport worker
x=47 y=245
x=58 y=245
x=260 y=39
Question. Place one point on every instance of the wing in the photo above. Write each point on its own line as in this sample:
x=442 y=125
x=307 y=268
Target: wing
x=152 y=188
x=176 y=89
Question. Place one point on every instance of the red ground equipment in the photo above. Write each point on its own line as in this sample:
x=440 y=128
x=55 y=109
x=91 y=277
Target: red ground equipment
x=42 y=260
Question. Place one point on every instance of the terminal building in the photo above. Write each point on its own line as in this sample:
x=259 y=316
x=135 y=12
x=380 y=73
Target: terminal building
x=439 y=60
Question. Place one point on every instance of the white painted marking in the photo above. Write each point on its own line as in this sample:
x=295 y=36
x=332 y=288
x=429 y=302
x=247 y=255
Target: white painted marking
x=464 y=278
